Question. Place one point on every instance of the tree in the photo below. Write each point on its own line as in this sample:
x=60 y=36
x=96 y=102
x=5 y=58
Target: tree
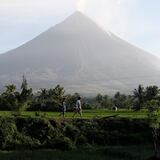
x=99 y=99
x=139 y=95
x=26 y=93
x=151 y=93
x=154 y=122
x=9 y=98
x=49 y=99
x=107 y=102
x=122 y=100
x=129 y=102
x=10 y=89
x=43 y=94
x=24 y=98
x=57 y=93
x=119 y=100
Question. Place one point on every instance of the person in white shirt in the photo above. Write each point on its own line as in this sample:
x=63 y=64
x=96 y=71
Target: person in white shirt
x=78 y=108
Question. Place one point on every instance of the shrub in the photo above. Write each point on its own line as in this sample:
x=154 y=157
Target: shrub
x=62 y=143
x=37 y=128
x=21 y=142
x=71 y=132
x=11 y=138
x=81 y=141
x=8 y=131
x=19 y=133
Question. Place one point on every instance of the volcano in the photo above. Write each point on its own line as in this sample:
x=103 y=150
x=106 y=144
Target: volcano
x=82 y=57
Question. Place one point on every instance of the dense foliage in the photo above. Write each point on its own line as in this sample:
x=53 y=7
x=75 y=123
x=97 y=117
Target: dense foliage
x=50 y=99
x=35 y=133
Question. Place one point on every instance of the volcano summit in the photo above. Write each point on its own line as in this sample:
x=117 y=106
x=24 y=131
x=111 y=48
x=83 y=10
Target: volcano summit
x=82 y=57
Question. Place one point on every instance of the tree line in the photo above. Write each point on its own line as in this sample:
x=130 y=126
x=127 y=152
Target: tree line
x=50 y=99
x=139 y=99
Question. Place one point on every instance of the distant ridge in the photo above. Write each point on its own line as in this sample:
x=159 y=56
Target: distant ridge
x=82 y=57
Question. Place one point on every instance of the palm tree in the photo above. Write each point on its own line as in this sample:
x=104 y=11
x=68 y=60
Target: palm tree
x=139 y=97
x=10 y=89
x=10 y=98
x=43 y=94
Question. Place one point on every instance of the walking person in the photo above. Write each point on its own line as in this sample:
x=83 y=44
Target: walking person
x=78 y=108
x=63 y=107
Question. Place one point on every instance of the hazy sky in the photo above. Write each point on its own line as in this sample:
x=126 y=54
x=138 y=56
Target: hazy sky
x=137 y=21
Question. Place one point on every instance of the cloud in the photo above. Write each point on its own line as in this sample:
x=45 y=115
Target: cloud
x=81 y=5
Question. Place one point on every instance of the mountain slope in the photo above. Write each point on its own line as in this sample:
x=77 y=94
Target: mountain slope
x=81 y=56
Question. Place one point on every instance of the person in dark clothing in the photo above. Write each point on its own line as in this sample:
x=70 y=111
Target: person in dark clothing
x=63 y=108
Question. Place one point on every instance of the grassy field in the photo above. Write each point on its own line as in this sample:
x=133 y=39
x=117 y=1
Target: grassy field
x=110 y=153
x=94 y=113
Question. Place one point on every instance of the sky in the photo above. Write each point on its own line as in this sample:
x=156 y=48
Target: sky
x=136 y=21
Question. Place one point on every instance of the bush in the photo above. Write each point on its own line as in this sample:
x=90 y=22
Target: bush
x=48 y=105
x=39 y=129
x=62 y=143
x=81 y=141
x=19 y=133
x=71 y=132
x=8 y=131
x=11 y=138
x=22 y=142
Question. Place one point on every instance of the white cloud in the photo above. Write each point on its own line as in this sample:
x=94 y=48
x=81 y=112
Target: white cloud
x=81 y=5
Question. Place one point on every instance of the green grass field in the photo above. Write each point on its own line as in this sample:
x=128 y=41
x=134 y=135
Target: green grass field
x=93 y=113
x=105 y=153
